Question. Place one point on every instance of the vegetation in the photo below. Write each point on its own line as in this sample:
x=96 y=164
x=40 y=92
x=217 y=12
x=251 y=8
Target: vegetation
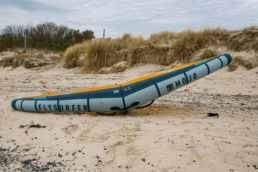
x=47 y=36
x=162 y=48
x=117 y=54
x=29 y=59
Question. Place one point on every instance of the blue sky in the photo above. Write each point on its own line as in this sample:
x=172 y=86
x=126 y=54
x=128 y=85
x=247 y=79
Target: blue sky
x=138 y=17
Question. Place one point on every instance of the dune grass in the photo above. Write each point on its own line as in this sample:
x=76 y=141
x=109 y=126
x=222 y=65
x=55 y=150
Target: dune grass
x=163 y=37
x=162 y=48
x=32 y=58
x=100 y=53
x=72 y=55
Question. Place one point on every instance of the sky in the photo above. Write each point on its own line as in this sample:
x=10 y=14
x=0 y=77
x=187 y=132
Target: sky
x=138 y=17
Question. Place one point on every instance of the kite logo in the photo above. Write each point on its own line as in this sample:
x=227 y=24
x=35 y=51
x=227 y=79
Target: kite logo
x=177 y=83
x=51 y=107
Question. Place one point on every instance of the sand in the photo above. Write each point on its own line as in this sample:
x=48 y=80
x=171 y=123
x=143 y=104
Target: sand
x=174 y=134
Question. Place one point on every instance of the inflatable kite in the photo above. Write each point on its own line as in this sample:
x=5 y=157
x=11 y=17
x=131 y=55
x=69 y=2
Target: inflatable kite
x=123 y=97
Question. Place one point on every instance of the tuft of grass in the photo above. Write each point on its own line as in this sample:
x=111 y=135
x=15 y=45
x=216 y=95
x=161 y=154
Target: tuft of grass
x=163 y=37
x=71 y=57
x=28 y=63
x=100 y=53
x=238 y=60
x=207 y=53
x=243 y=40
x=186 y=44
x=232 y=67
x=116 y=69
x=29 y=59
x=10 y=61
x=246 y=63
x=189 y=42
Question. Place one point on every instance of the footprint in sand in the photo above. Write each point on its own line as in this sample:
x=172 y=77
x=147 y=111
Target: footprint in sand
x=70 y=129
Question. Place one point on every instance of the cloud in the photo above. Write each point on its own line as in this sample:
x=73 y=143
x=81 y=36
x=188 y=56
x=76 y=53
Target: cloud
x=132 y=16
x=30 y=5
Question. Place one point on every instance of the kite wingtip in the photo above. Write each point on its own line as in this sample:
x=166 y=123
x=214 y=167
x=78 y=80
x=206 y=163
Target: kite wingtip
x=13 y=104
x=229 y=58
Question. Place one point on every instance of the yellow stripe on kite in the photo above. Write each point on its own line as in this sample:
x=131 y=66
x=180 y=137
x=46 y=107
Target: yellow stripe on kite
x=48 y=94
x=97 y=88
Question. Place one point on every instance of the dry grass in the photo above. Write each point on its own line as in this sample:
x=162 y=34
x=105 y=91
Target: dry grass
x=239 y=61
x=163 y=37
x=30 y=59
x=207 y=53
x=116 y=68
x=162 y=48
x=186 y=44
x=247 y=63
x=72 y=55
x=232 y=67
x=100 y=53
x=243 y=40
x=27 y=62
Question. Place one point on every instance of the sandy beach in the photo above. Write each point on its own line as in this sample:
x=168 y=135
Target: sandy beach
x=174 y=134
